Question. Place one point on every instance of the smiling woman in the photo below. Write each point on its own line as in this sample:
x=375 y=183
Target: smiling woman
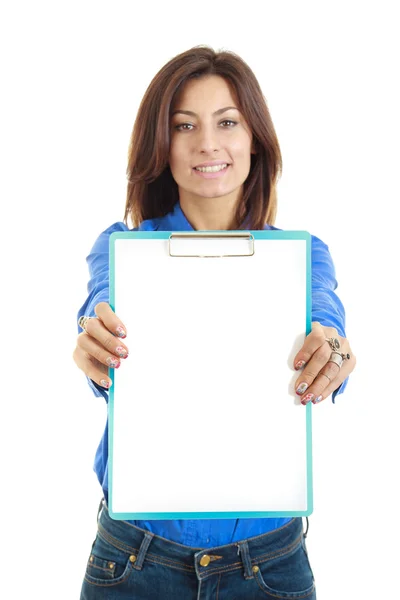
x=229 y=123
x=219 y=152
x=204 y=155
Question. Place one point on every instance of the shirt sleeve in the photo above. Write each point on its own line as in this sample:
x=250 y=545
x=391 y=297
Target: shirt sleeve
x=327 y=308
x=98 y=286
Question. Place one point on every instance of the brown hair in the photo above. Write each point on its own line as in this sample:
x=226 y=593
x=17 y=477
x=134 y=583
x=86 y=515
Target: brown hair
x=152 y=192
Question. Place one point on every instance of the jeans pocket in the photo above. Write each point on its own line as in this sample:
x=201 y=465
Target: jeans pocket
x=107 y=565
x=288 y=576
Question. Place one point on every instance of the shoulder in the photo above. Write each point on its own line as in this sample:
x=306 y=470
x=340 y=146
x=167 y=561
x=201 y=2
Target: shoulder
x=102 y=242
x=148 y=225
x=317 y=243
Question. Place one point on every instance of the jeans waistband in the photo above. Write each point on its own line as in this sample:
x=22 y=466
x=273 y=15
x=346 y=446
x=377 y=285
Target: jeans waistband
x=141 y=545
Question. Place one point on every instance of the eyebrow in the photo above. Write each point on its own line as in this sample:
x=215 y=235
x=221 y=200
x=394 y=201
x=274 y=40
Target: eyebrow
x=193 y=114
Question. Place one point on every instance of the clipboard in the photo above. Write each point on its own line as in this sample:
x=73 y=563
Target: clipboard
x=204 y=421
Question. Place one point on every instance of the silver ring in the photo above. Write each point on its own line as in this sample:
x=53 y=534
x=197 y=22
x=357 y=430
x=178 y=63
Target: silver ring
x=334 y=343
x=336 y=357
x=326 y=376
x=83 y=320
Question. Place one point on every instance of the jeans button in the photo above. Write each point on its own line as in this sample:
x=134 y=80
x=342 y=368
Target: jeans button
x=205 y=560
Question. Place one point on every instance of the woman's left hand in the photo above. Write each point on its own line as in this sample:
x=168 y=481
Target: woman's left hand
x=319 y=377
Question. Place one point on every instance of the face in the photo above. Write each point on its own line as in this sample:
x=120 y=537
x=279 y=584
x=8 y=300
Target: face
x=211 y=132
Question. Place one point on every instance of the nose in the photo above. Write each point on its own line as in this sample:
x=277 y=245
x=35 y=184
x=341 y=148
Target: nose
x=208 y=139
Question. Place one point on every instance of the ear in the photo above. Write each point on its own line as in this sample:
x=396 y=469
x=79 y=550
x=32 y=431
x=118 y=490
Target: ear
x=253 y=147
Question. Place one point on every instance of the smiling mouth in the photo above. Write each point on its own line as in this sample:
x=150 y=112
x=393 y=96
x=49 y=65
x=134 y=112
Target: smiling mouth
x=212 y=174
x=212 y=168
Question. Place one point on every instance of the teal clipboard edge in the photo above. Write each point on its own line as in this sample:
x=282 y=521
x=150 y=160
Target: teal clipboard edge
x=258 y=235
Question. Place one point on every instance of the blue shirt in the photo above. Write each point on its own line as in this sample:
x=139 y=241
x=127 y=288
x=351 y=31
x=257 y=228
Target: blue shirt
x=327 y=309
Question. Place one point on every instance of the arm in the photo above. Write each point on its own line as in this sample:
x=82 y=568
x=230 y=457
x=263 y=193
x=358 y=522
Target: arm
x=98 y=286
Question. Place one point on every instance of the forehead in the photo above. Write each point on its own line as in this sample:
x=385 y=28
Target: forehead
x=211 y=90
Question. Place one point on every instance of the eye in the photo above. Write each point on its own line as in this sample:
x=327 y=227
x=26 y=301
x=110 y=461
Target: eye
x=229 y=121
x=179 y=127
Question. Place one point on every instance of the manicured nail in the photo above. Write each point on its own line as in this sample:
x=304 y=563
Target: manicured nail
x=307 y=399
x=317 y=400
x=113 y=362
x=302 y=388
x=121 y=352
x=299 y=364
x=105 y=383
x=120 y=331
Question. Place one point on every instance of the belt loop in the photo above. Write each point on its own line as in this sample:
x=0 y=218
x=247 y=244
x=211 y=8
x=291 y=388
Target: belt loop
x=243 y=548
x=148 y=536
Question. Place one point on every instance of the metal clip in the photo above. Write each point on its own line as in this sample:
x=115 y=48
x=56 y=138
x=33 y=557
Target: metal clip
x=212 y=235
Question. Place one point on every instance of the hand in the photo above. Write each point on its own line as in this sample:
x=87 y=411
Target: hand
x=100 y=346
x=322 y=377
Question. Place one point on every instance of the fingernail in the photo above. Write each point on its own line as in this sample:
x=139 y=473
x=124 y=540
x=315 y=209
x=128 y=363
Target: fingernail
x=113 y=362
x=317 y=400
x=302 y=388
x=307 y=399
x=121 y=351
x=299 y=364
x=120 y=331
x=105 y=383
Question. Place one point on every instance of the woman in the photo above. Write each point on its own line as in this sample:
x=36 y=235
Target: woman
x=204 y=156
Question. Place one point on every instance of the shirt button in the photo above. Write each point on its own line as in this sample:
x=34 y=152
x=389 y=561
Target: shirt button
x=205 y=560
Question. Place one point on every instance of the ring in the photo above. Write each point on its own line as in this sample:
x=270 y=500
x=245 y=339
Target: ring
x=326 y=376
x=83 y=320
x=337 y=358
x=334 y=343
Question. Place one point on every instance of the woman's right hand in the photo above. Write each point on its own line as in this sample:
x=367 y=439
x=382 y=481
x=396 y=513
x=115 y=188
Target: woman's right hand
x=100 y=347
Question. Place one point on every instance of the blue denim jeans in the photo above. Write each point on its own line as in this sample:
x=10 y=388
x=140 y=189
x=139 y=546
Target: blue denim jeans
x=127 y=562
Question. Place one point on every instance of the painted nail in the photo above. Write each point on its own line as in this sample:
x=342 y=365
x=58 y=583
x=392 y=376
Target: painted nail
x=317 y=400
x=121 y=351
x=105 y=383
x=307 y=399
x=302 y=388
x=120 y=331
x=113 y=362
x=299 y=364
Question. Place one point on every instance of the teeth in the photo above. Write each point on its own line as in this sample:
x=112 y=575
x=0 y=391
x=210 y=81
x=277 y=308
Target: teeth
x=211 y=169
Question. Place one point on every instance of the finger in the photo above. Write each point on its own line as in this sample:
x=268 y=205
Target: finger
x=321 y=382
x=313 y=341
x=344 y=372
x=93 y=348
x=322 y=388
x=312 y=369
x=110 y=319
x=96 y=329
x=92 y=368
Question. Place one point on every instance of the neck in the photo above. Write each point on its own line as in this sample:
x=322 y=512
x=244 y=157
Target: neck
x=210 y=214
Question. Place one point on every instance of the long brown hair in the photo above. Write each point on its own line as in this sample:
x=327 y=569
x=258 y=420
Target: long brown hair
x=152 y=192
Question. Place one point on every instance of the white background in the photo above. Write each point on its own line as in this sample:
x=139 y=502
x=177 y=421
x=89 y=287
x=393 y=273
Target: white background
x=72 y=77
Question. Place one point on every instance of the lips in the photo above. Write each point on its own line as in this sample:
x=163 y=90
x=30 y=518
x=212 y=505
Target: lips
x=211 y=174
